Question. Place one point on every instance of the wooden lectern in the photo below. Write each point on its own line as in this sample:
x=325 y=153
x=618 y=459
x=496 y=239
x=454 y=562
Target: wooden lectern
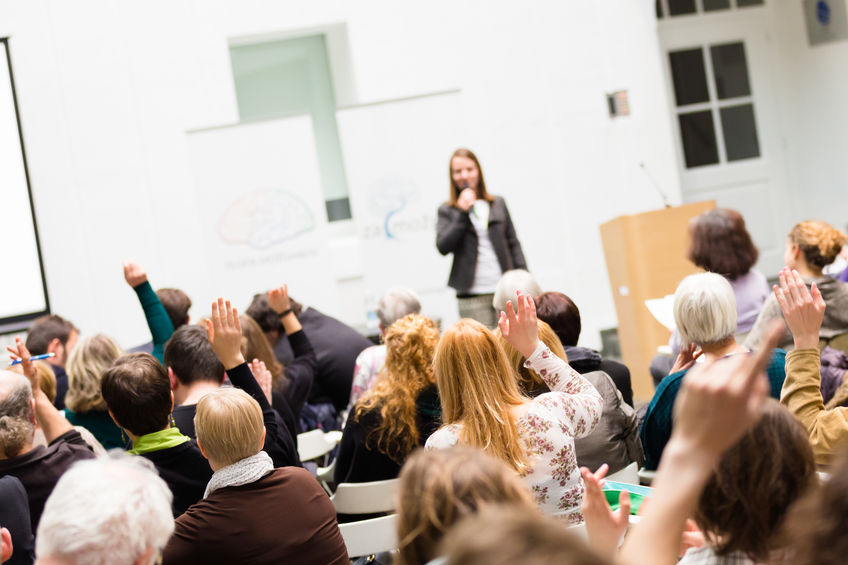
x=646 y=258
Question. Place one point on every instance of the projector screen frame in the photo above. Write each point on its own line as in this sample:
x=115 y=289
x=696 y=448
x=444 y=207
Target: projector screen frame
x=21 y=321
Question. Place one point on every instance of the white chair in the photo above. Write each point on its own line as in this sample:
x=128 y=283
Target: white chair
x=365 y=498
x=646 y=476
x=370 y=536
x=629 y=475
x=315 y=443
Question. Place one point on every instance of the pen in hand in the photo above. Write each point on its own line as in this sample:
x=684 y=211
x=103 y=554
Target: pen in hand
x=34 y=358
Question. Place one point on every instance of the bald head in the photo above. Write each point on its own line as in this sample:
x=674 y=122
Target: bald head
x=17 y=416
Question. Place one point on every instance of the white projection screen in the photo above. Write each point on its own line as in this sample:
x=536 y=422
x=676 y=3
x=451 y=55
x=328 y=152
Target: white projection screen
x=24 y=293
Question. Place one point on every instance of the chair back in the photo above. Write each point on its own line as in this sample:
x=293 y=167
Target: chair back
x=370 y=536
x=629 y=474
x=316 y=443
x=365 y=498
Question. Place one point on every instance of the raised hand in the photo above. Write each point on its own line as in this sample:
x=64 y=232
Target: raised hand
x=803 y=310
x=686 y=358
x=466 y=199
x=604 y=527
x=520 y=330
x=720 y=400
x=134 y=274
x=21 y=352
x=278 y=299
x=224 y=332
x=263 y=377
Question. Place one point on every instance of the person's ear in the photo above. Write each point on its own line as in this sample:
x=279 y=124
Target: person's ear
x=32 y=418
x=172 y=402
x=202 y=450
x=188 y=319
x=117 y=423
x=5 y=545
x=262 y=439
x=175 y=382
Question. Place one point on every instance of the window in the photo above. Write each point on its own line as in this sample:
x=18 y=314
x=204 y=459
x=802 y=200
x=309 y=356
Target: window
x=292 y=77
x=674 y=8
x=714 y=107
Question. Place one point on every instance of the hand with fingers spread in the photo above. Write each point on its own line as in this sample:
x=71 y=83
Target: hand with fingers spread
x=520 y=329
x=263 y=377
x=604 y=527
x=224 y=332
x=134 y=274
x=278 y=299
x=686 y=358
x=803 y=310
x=21 y=352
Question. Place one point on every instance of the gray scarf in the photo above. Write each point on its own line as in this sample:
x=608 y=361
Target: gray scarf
x=248 y=470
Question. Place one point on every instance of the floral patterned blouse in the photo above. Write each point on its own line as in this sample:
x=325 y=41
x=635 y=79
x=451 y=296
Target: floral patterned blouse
x=548 y=428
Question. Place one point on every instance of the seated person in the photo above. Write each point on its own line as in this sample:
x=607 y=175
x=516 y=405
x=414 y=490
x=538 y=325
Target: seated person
x=14 y=516
x=615 y=440
x=138 y=393
x=804 y=312
x=157 y=317
x=399 y=413
x=510 y=282
x=810 y=247
x=85 y=406
x=176 y=304
x=438 y=488
x=559 y=312
x=744 y=504
x=395 y=304
x=252 y=513
x=22 y=404
x=54 y=334
x=336 y=346
x=114 y=510
x=705 y=316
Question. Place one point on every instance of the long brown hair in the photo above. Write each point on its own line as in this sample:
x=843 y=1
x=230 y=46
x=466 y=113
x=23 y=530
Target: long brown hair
x=529 y=381
x=439 y=487
x=482 y=193
x=255 y=345
x=478 y=391
x=410 y=344
x=747 y=497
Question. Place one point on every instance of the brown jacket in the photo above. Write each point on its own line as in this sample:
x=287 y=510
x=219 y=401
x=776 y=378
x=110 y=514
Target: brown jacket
x=284 y=517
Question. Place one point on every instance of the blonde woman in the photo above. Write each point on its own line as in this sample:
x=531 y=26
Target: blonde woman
x=810 y=247
x=440 y=487
x=85 y=407
x=615 y=441
x=482 y=406
x=400 y=412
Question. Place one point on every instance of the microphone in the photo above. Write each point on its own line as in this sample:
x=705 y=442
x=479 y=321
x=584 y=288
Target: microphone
x=659 y=190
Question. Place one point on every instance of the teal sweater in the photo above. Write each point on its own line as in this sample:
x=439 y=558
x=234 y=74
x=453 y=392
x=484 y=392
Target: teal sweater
x=158 y=321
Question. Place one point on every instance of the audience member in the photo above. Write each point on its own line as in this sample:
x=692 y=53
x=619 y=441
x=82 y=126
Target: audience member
x=158 y=319
x=615 y=440
x=395 y=304
x=113 y=510
x=336 y=348
x=138 y=393
x=510 y=283
x=483 y=407
x=804 y=311
x=505 y=535
x=440 y=487
x=810 y=247
x=252 y=513
x=705 y=315
x=720 y=243
x=56 y=335
x=14 y=516
x=22 y=405
x=560 y=312
x=176 y=304
x=89 y=360
x=399 y=413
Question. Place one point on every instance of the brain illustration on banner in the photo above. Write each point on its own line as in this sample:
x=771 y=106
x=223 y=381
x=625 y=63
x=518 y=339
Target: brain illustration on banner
x=265 y=217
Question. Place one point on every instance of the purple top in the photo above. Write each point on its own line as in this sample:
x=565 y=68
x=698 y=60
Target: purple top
x=844 y=276
x=751 y=291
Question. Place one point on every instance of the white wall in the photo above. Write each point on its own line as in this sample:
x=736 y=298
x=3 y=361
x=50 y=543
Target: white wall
x=813 y=83
x=108 y=90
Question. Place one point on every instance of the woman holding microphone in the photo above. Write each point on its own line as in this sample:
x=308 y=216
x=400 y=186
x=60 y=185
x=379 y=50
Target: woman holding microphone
x=475 y=226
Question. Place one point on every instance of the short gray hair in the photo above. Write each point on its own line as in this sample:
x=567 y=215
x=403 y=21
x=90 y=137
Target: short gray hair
x=705 y=309
x=16 y=427
x=396 y=303
x=106 y=511
x=511 y=281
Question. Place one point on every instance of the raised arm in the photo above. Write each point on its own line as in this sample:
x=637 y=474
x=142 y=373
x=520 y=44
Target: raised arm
x=804 y=311
x=157 y=317
x=53 y=423
x=451 y=227
x=300 y=372
x=582 y=402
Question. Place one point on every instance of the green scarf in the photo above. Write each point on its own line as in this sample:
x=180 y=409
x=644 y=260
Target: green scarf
x=170 y=437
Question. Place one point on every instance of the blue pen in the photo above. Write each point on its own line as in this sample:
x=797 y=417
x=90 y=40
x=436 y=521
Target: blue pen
x=34 y=358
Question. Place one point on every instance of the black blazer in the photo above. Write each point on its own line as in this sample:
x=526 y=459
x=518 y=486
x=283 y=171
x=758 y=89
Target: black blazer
x=455 y=234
